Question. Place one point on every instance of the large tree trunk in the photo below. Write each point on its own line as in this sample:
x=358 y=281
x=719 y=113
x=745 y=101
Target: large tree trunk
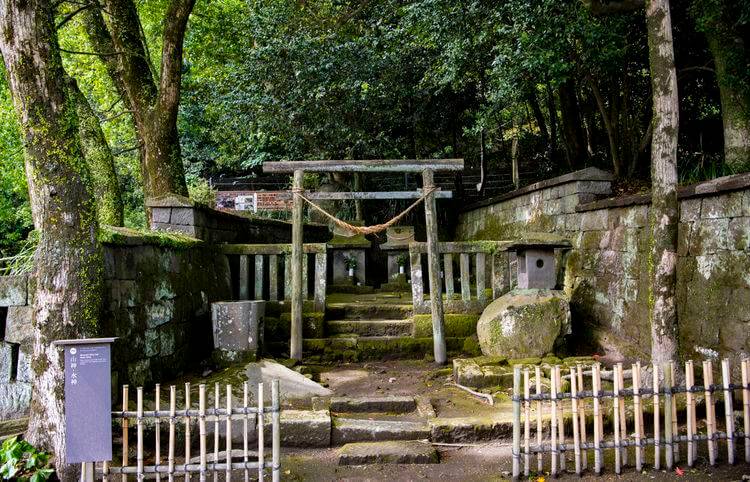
x=99 y=158
x=728 y=49
x=572 y=129
x=69 y=258
x=154 y=102
x=664 y=207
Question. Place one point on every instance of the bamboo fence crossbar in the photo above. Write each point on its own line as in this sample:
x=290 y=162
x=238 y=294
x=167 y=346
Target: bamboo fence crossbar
x=578 y=401
x=228 y=412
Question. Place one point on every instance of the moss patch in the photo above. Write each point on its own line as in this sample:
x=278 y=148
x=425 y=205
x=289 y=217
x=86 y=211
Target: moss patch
x=456 y=325
x=116 y=236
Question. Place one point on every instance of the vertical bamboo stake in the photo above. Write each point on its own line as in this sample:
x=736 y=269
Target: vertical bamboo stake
x=728 y=410
x=228 y=434
x=217 y=396
x=616 y=418
x=623 y=418
x=202 y=428
x=638 y=411
x=561 y=420
x=657 y=421
x=261 y=434
x=595 y=382
x=157 y=435
x=139 y=432
x=553 y=412
x=275 y=432
x=582 y=417
x=576 y=439
x=538 y=377
x=746 y=406
x=124 y=431
x=245 y=458
x=668 y=434
x=187 y=430
x=105 y=471
x=690 y=408
x=708 y=379
x=675 y=425
x=170 y=450
x=526 y=422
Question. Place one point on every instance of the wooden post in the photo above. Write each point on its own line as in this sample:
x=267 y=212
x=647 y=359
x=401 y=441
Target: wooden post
x=526 y=423
x=245 y=428
x=157 y=432
x=595 y=382
x=623 y=417
x=657 y=417
x=273 y=277
x=358 y=203
x=320 y=281
x=139 y=432
x=746 y=406
x=561 y=419
x=728 y=410
x=187 y=429
x=448 y=270
x=675 y=425
x=516 y=421
x=170 y=450
x=481 y=268
x=258 y=276
x=553 y=425
x=433 y=258
x=124 y=431
x=576 y=438
x=228 y=434
x=690 y=407
x=244 y=278
x=465 y=276
x=217 y=396
x=638 y=411
x=668 y=434
x=202 y=429
x=261 y=433
x=275 y=432
x=288 y=277
x=708 y=379
x=305 y=282
x=582 y=419
x=616 y=419
x=296 y=269
x=538 y=391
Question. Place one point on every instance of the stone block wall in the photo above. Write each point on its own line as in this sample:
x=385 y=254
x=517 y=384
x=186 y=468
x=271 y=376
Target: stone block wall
x=16 y=346
x=606 y=274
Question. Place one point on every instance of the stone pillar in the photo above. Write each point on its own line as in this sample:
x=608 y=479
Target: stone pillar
x=237 y=330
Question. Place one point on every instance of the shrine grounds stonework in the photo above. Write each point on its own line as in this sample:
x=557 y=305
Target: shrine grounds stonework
x=606 y=274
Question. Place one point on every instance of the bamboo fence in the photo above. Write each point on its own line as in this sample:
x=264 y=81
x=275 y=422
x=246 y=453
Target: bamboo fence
x=225 y=412
x=666 y=432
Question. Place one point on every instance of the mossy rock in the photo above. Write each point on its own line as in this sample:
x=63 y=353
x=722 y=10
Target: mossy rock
x=471 y=346
x=456 y=325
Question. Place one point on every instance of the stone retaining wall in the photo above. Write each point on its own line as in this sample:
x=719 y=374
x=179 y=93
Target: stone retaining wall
x=606 y=274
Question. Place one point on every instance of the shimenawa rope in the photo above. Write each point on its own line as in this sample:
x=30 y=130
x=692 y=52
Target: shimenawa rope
x=377 y=228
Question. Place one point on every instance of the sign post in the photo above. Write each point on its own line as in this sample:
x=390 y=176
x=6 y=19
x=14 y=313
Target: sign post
x=88 y=402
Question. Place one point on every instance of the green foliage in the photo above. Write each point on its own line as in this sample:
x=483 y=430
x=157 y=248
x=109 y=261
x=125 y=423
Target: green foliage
x=202 y=192
x=20 y=461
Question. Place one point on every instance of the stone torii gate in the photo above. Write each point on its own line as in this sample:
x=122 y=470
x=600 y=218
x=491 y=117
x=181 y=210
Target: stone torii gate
x=427 y=167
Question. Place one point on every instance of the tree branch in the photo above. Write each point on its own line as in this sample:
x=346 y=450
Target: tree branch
x=171 y=55
x=605 y=7
x=98 y=54
x=72 y=14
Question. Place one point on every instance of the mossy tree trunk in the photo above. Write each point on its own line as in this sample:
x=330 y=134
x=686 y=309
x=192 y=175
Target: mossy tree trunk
x=99 y=158
x=154 y=102
x=69 y=258
x=572 y=127
x=664 y=207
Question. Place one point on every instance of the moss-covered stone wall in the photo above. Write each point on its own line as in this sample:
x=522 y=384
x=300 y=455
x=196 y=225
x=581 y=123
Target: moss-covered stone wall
x=606 y=274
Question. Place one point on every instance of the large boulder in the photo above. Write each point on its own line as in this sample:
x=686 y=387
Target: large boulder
x=524 y=323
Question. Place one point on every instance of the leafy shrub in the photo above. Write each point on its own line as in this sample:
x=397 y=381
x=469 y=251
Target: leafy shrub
x=201 y=192
x=19 y=460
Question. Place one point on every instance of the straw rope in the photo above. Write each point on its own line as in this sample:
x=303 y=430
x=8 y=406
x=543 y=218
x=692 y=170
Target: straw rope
x=374 y=229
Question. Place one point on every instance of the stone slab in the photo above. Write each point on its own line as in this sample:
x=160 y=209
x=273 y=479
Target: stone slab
x=14 y=399
x=392 y=452
x=7 y=355
x=392 y=404
x=471 y=429
x=13 y=290
x=347 y=430
x=292 y=385
x=18 y=328
x=303 y=428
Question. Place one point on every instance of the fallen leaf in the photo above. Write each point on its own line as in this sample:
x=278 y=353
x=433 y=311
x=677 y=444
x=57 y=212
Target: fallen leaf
x=679 y=472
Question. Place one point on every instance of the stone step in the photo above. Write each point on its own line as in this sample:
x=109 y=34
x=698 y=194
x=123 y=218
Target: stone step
x=369 y=327
x=347 y=430
x=360 y=348
x=392 y=452
x=393 y=404
x=368 y=311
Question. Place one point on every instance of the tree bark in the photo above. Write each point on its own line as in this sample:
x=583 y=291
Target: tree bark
x=99 y=158
x=68 y=259
x=575 y=149
x=154 y=105
x=664 y=207
x=607 y=120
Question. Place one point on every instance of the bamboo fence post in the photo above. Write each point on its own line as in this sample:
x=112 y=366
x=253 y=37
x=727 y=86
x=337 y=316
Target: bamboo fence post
x=746 y=406
x=616 y=419
x=187 y=429
x=690 y=407
x=574 y=402
x=139 y=432
x=637 y=411
x=582 y=418
x=597 y=421
x=105 y=471
x=516 y=421
x=668 y=433
x=553 y=427
x=675 y=424
x=228 y=434
x=275 y=432
x=708 y=379
x=657 y=415
x=172 y=409
x=245 y=458
x=217 y=395
x=561 y=420
x=728 y=409
x=526 y=423
x=538 y=380
x=124 y=431
x=202 y=428
x=623 y=417
x=157 y=433
x=261 y=434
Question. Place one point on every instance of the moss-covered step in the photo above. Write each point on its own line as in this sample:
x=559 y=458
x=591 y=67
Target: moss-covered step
x=390 y=452
x=312 y=325
x=348 y=430
x=369 y=327
x=388 y=404
x=372 y=348
x=349 y=289
x=456 y=325
x=368 y=311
